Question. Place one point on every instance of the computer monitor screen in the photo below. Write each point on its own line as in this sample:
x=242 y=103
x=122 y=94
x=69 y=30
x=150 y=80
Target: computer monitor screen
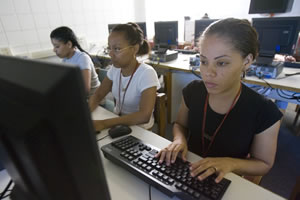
x=200 y=26
x=47 y=140
x=142 y=25
x=166 y=33
x=277 y=35
x=270 y=6
x=111 y=26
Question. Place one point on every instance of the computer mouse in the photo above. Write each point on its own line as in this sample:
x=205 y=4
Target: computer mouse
x=119 y=130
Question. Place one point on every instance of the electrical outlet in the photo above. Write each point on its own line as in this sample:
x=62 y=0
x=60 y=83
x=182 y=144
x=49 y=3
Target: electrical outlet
x=5 y=51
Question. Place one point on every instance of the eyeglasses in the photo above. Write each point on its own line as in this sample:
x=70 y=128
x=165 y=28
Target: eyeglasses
x=116 y=50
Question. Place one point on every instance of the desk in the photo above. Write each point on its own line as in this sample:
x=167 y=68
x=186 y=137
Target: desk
x=178 y=75
x=123 y=185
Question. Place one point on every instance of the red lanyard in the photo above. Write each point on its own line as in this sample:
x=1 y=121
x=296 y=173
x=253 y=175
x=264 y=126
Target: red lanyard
x=125 y=90
x=217 y=130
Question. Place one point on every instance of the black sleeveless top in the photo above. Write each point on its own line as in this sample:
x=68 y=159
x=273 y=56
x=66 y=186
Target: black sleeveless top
x=251 y=115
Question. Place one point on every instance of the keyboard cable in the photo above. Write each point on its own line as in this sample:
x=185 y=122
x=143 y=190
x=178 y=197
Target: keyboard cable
x=149 y=192
x=102 y=137
x=2 y=194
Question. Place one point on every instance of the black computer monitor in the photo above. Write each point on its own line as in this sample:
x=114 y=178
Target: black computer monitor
x=47 y=140
x=111 y=26
x=200 y=26
x=166 y=33
x=142 y=25
x=270 y=6
x=277 y=35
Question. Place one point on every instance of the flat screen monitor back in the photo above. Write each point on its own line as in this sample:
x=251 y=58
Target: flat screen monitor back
x=270 y=6
x=142 y=25
x=47 y=140
x=166 y=33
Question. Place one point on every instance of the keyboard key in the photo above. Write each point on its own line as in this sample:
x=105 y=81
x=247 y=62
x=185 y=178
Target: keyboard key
x=171 y=181
x=149 y=168
x=190 y=191
x=178 y=185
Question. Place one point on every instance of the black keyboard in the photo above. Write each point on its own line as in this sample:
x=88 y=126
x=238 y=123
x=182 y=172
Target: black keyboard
x=138 y=158
x=292 y=64
x=186 y=51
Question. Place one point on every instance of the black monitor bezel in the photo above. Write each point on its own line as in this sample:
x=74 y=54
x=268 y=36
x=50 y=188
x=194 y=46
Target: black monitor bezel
x=143 y=27
x=47 y=139
x=285 y=6
x=163 y=24
x=110 y=27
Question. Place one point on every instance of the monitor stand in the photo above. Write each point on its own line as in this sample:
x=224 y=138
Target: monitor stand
x=264 y=60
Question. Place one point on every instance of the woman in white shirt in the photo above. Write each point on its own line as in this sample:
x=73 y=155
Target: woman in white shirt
x=66 y=46
x=133 y=84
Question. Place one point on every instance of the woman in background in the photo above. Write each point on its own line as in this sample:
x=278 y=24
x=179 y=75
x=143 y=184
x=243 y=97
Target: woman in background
x=66 y=46
x=231 y=126
x=133 y=84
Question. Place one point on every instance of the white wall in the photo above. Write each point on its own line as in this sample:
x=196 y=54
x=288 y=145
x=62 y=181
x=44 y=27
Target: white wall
x=171 y=10
x=25 y=25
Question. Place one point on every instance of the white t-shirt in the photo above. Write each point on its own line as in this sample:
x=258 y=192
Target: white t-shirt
x=85 y=62
x=144 y=78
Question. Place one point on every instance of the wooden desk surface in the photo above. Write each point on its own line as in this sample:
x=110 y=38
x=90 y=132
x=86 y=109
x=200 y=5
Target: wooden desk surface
x=291 y=83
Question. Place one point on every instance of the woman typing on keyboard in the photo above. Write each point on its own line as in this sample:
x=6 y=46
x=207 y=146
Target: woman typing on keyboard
x=232 y=127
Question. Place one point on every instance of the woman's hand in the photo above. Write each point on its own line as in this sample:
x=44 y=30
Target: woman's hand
x=169 y=154
x=209 y=166
x=99 y=125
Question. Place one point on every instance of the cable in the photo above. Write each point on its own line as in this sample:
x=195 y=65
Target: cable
x=194 y=72
x=266 y=90
x=288 y=96
x=281 y=93
x=267 y=83
x=293 y=74
x=288 y=75
x=6 y=189
x=102 y=137
x=158 y=62
x=7 y=195
x=149 y=192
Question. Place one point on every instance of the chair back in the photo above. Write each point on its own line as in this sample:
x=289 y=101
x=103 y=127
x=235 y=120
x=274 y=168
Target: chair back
x=101 y=74
x=295 y=195
x=160 y=113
